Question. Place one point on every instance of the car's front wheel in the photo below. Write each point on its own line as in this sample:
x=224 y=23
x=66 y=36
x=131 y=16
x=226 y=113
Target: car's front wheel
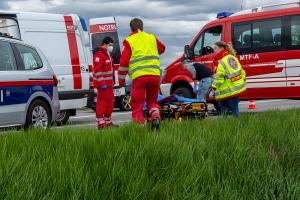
x=38 y=115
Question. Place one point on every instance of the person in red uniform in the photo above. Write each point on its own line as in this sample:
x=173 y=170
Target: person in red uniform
x=145 y=88
x=104 y=82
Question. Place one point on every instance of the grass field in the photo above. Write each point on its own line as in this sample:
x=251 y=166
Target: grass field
x=257 y=157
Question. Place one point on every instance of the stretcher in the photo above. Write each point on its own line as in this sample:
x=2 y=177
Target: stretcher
x=179 y=108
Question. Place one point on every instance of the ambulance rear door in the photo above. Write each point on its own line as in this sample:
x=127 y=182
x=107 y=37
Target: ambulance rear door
x=105 y=27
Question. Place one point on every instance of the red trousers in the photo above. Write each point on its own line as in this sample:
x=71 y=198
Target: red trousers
x=144 y=89
x=104 y=106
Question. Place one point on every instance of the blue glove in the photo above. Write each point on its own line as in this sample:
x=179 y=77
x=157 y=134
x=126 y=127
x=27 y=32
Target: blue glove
x=103 y=87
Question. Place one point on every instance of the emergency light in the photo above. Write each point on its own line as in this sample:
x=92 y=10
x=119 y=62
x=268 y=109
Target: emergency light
x=223 y=14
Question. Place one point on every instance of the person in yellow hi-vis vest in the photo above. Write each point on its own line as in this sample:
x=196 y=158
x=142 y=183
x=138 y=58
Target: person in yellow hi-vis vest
x=229 y=80
x=140 y=60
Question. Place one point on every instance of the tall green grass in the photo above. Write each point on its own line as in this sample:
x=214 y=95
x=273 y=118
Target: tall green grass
x=256 y=157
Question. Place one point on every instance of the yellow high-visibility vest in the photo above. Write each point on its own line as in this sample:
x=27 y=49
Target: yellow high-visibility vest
x=230 y=78
x=144 y=55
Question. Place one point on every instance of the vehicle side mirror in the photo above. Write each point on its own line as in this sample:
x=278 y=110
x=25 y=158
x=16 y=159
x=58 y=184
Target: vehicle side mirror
x=188 y=53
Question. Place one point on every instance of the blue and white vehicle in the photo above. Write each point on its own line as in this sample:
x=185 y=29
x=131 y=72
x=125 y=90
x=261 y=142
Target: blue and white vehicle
x=28 y=86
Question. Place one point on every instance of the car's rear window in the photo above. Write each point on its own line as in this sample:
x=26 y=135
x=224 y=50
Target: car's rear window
x=30 y=58
x=7 y=58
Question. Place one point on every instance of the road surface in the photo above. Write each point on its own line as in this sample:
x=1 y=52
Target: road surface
x=86 y=118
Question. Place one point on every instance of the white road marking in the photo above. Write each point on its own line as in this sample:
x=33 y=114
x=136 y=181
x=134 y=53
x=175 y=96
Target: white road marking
x=268 y=101
x=93 y=115
x=89 y=124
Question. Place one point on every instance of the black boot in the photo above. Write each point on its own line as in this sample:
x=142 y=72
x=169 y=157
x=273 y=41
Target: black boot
x=155 y=124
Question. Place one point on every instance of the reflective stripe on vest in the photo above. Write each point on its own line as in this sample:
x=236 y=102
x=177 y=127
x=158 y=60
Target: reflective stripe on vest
x=103 y=79
x=219 y=76
x=103 y=73
x=216 y=84
x=231 y=90
x=143 y=67
x=144 y=58
x=123 y=69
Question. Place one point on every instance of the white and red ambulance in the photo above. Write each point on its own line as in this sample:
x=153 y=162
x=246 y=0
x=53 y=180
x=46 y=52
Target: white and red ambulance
x=267 y=41
x=99 y=29
x=64 y=39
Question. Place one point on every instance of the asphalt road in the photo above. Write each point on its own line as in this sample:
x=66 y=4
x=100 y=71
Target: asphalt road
x=86 y=118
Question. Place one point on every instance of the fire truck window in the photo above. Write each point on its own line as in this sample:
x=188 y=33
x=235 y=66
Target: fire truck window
x=7 y=58
x=258 y=36
x=30 y=58
x=10 y=26
x=211 y=36
x=242 y=36
x=198 y=46
x=267 y=34
x=295 y=31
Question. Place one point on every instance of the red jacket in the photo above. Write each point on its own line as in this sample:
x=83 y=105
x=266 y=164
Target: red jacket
x=103 y=68
x=126 y=55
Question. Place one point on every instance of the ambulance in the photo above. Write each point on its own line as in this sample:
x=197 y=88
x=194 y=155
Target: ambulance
x=267 y=41
x=64 y=39
x=99 y=29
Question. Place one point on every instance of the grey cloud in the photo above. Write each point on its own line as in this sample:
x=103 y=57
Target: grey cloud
x=4 y=6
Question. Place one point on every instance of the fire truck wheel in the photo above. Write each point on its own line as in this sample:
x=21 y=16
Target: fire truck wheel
x=184 y=92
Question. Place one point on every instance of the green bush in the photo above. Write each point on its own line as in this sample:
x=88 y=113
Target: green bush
x=256 y=157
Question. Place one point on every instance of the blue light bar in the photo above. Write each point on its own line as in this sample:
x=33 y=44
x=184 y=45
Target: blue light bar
x=224 y=14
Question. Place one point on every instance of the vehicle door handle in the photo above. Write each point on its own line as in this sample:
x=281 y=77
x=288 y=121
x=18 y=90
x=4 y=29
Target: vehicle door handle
x=280 y=63
x=1 y=96
x=38 y=79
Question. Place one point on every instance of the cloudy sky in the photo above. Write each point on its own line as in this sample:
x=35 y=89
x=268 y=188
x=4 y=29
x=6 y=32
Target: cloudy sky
x=175 y=22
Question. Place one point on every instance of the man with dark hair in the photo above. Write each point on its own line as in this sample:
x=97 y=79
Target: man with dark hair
x=140 y=59
x=107 y=41
x=104 y=82
x=136 y=24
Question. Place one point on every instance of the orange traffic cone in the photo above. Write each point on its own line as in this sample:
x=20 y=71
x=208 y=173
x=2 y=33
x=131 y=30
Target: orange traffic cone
x=252 y=105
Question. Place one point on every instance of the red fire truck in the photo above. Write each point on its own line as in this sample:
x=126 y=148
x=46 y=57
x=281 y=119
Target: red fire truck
x=267 y=40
